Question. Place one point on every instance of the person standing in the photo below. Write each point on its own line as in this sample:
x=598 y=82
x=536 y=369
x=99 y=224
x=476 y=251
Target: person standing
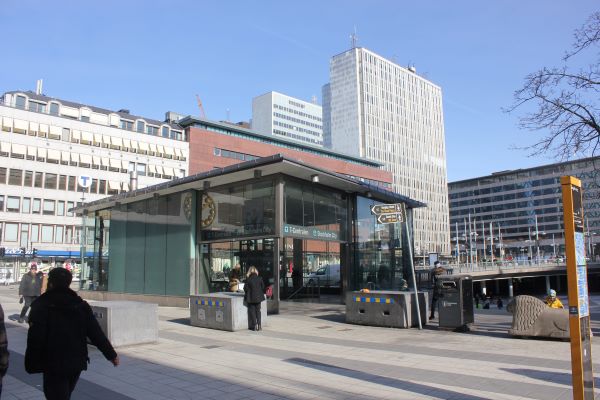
x=254 y=294
x=437 y=289
x=3 y=348
x=59 y=324
x=552 y=301
x=29 y=290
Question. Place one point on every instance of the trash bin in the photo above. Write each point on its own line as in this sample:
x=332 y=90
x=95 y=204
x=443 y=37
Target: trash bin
x=455 y=305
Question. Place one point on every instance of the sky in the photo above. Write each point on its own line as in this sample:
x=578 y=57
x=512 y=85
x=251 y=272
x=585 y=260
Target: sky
x=155 y=56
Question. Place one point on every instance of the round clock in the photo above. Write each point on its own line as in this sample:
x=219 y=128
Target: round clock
x=187 y=206
x=209 y=211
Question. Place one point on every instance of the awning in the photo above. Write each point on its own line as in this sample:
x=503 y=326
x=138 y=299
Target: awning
x=85 y=158
x=112 y=185
x=34 y=127
x=106 y=139
x=6 y=121
x=5 y=147
x=31 y=150
x=87 y=136
x=179 y=153
x=124 y=165
x=134 y=144
x=96 y=160
x=75 y=157
x=159 y=170
x=55 y=132
x=126 y=186
x=65 y=156
x=151 y=168
x=169 y=171
x=127 y=143
x=161 y=149
x=116 y=141
x=144 y=146
x=97 y=138
x=41 y=152
x=76 y=135
x=20 y=124
x=43 y=128
x=115 y=163
x=54 y=155
x=170 y=151
x=153 y=148
x=19 y=149
x=70 y=112
x=105 y=161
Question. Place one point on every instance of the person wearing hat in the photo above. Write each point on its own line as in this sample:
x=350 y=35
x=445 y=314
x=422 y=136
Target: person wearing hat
x=29 y=290
x=552 y=301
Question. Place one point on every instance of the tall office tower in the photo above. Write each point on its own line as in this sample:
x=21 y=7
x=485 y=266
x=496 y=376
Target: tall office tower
x=46 y=146
x=384 y=112
x=284 y=116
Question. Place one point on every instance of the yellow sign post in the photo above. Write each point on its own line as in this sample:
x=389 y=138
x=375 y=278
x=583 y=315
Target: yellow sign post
x=579 y=312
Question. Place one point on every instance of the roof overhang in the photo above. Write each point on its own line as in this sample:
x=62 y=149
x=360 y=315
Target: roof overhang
x=262 y=167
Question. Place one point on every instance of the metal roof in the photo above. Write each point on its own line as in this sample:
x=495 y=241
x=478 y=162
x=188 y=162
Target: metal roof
x=272 y=165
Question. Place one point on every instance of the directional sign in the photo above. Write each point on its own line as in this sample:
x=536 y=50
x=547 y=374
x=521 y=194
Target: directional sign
x=84 y=181
x=389 y=218
x=387 y=209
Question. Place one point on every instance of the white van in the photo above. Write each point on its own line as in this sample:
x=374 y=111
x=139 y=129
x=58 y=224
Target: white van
x=327 y=275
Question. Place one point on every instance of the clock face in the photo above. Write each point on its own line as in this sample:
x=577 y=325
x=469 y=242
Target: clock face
x=209 y=211
x=187 y=206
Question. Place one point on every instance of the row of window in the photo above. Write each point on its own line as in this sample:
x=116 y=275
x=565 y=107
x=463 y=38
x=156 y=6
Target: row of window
x=504 y=188
x=27 y=205
x=300 y=113
x=296 y=128
x=18 y=177
x=507 y=197
x=297 y=120
x=86 y=115
x=87 y=138
x=233 y=154
x=297 y=137
x=27 y=235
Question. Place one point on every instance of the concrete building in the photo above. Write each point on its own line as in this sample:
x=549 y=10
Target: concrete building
x=287 y=117
x=46 y=144
x=376 y=109
x=523 y=208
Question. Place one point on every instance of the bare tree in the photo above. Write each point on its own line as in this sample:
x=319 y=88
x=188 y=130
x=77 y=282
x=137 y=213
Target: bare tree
x=563 y=102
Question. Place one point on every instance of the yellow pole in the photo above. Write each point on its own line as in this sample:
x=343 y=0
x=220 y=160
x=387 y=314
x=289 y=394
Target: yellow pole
x=579 y=319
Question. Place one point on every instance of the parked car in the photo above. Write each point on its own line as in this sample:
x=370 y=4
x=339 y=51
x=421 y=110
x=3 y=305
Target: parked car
x=325 y=276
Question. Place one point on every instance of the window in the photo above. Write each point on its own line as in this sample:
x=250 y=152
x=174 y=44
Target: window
x=165 y=131
x=141 y=169
x=15 y=177
x=26 y=205
x=11 y=232
x=102 y=187
x=72 y=185
x=131 y=166
x=49 y=207
x=2 y=175
x=94 y=187
x=70 y=205
x=47 y=233
x=20 y=102
x=69 y=234
x=36 y=207
x=1 y=205
x=66 y=135
x=24 y=242
x=51 y=181
x=126 y=125
x=60 y=208
x=28 y=179
x=53 y=109
x=62 y=182
x=13 y=204
x=59 y=234
x=39 y=180
x=37 y=107
x=35 y=233
x=152 y=130
x=140 y=126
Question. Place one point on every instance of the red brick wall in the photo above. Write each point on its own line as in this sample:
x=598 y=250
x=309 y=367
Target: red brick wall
x=202 y=158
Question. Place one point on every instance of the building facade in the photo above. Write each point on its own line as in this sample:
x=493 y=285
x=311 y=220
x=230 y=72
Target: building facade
x=287 y=117
x=523 y=211
x=381 y=111
x=46 y=145
x=216 y=145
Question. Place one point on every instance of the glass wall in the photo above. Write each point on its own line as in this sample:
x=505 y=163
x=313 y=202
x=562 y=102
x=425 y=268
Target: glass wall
x=379 y=260
x=149 y=246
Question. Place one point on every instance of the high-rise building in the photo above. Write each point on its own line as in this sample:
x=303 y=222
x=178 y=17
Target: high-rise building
x=284 y=116
x=46 y=146
x=376 y=109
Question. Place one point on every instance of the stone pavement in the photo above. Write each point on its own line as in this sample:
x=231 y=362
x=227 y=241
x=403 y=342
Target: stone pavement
x=308 y=352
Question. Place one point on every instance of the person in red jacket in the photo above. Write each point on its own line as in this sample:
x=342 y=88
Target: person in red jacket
x=60 y=322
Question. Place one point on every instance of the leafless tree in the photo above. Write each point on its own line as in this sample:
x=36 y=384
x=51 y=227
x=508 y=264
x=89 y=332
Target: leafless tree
x=563 y=101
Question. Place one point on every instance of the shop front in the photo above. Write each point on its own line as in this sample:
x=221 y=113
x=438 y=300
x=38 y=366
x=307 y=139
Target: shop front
x=309 y=232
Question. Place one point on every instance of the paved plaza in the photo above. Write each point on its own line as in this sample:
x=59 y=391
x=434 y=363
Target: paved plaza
x=308 y=352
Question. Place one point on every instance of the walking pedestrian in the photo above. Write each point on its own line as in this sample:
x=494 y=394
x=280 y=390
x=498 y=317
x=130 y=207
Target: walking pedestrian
x=437 y=290
x=254 y=294
x=29 y=290
x=60 y=323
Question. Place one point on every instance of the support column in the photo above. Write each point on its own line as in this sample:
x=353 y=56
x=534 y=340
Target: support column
x=483 y=289
x=548 y=284
x=497 y=291
x=510 y=288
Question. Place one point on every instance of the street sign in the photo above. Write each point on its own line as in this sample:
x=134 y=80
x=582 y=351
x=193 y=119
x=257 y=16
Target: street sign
x=389 y=218
x=579 y=315
x=84 y=181
x=389 y=213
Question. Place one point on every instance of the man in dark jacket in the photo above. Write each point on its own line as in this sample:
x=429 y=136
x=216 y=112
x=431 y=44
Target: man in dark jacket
x=437 y=290
x=3 y=348
x=59 y=323
x=29 y=290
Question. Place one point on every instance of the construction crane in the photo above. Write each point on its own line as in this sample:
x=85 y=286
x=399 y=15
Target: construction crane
x=202 y=114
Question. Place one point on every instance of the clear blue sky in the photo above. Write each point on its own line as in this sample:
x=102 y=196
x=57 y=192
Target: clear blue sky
x=155 y=56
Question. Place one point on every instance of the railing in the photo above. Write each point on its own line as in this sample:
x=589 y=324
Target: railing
x=489 y=266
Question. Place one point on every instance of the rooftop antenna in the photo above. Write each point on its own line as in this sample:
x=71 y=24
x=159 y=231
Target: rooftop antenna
x=314 y=99
x=38 y=86
x=353 y=38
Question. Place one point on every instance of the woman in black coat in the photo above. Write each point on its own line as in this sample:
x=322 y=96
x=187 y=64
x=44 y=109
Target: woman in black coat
x=254 y=294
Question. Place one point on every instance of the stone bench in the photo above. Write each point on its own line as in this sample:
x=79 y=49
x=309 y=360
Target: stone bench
x=224 y=311
x=393 y=309
x=533 y=317
x=127 y=322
